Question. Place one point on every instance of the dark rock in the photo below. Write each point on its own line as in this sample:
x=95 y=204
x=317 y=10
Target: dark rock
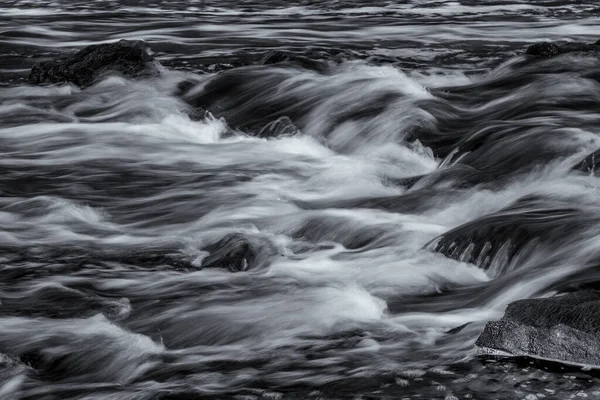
x=12 y=371
x=278 y=56
x=237 y=252
x=562 y=328
x=259 y=100
x=528 y=223
x=588 y=164
x=406 y=182
x=129 y=58
x=544 y=49
x=547 y=49
x=274 y=57
x=248 y=98
x=185 y=85
x=280 y=127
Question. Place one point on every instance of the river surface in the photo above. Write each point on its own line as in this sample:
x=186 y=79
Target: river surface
x=113 y=197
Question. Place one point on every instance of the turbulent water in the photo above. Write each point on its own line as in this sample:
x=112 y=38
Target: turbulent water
x=120 y=207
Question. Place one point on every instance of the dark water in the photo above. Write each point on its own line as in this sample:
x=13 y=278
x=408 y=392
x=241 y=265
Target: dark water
x=112 y=199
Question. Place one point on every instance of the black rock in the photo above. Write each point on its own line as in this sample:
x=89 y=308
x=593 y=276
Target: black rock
x=406 y=182
x=547 y=49
x=237 y=252
x=278 y=56
x=563 y=328
x=589 y=164
x=543 y=49
x=126 y=57
x=274 y=57
x=514 y=231
x=11 y=371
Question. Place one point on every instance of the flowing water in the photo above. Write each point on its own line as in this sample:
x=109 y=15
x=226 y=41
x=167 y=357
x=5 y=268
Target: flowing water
x=113 y=198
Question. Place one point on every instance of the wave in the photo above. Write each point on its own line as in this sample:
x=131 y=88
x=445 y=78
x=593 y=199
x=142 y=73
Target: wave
x=286 y=225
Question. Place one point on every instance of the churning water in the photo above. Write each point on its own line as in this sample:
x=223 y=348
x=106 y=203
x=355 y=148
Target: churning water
x=113 y=198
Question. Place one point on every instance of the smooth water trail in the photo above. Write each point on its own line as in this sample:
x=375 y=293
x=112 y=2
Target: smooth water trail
x=329 y=228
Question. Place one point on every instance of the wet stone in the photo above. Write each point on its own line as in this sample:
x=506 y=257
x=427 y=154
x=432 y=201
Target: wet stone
x=237 y=252
x=544 y=49
x=562 y=328
x=127 y=57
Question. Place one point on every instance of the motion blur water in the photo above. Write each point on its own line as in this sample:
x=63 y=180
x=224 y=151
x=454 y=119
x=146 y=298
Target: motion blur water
x=112 y=198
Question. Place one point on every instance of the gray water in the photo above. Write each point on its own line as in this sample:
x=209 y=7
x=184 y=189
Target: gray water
x=112 y=196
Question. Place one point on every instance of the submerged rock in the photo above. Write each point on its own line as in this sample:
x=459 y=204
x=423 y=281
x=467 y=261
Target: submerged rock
x=515 y=230
x=127 y=57
x=588 y=164
x=563 y=328
x=274 y=57
x=237 y=252
x=279 y=56
x=12 y=375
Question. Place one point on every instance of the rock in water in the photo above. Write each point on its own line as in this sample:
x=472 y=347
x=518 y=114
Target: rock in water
x=589 y=164
x=530 y=222
x=237 y=252
x=274 y=57
x=127 y=57
x=278 y=57
x=547 y=49
x=563 y=328
x=543 y=49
